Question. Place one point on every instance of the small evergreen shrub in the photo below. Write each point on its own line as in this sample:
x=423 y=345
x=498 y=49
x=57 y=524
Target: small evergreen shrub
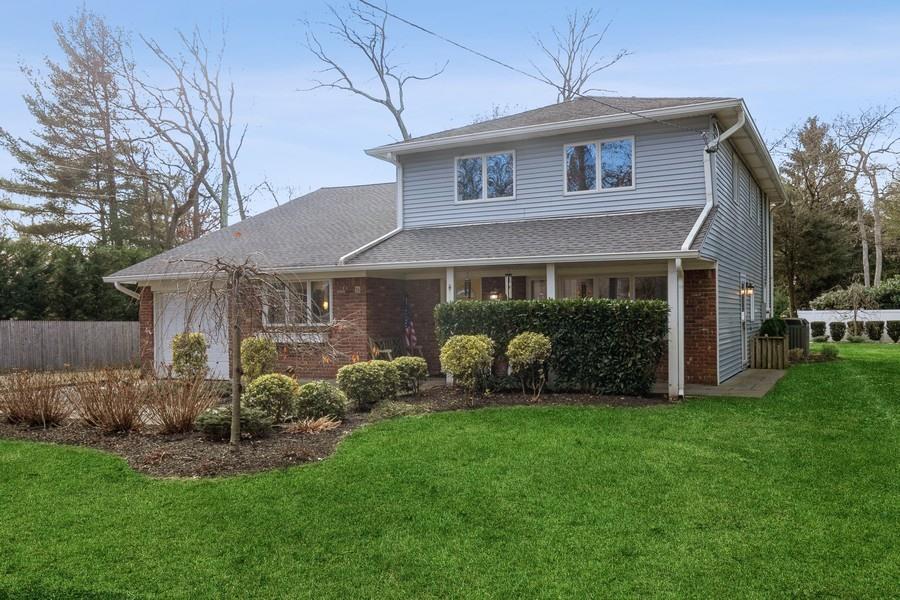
x=817 y=328
x=215 y=424
x=773 y=327
x=528 y=353
x=189 y=355
x=856 y=339
x=413 y=372
x=829 y=351
x=837 y=330
x=319 y=399
x=820 y=338
x=893 y=330
x=368 y=383
x=258 y=357
x=274 y=394
x=468 y=358
x=856 y=328
x=875 y=329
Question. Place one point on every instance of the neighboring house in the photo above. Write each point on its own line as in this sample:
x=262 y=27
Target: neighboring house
x=611 y=197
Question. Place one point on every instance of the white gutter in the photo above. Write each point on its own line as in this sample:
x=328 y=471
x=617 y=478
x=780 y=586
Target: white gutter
x=707 y=166
x=125 y=290
x=342 y=260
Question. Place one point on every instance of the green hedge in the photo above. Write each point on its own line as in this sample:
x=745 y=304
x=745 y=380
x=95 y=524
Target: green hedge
x=604 y=346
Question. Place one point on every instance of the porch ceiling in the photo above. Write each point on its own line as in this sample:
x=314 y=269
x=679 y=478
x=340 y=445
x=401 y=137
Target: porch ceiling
x=655 y=232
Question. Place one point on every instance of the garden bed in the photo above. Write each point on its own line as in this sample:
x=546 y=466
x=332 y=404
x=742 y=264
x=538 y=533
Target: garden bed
x=190 y=455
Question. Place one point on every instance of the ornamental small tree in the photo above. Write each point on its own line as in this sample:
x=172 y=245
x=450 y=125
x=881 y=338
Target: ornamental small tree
x=528 y=353
x=189 y=355
x=468 y=358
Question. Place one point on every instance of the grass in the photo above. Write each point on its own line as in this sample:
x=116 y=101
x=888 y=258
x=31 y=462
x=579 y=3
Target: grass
x=797 y=494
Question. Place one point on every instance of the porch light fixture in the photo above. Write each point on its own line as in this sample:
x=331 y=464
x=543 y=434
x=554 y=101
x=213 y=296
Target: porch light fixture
x=747 y=289
x=494 y=295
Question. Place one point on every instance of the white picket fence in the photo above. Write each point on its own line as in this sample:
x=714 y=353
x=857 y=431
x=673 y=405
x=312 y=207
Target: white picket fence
x=55 y=345
x=844 y=316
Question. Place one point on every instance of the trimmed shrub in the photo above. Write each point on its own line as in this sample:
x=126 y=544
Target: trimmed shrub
x=856 y=328
x=413 y=371
x=598 y=345
x=189 y=355
x=175 y=405
x=829 y=351
x=368 y=383
x=856 y=339
x=258 y=357
x=112 y=400
x=215 y=424
x=773 y=327
x=274 y=394
x=319 y=399
x=817 y=328
x=893 y=330
x=837 y=330
x=875 y=329
x=468 y=358
x=33 y=399
x=528 y=353
x=820 y=339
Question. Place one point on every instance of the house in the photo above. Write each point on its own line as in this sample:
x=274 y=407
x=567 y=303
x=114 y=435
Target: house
x=665 y=198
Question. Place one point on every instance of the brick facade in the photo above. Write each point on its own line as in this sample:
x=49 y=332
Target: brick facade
x=700 y=327
x=145 y=324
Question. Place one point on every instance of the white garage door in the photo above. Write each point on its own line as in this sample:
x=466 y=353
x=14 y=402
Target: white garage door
x=174 y=313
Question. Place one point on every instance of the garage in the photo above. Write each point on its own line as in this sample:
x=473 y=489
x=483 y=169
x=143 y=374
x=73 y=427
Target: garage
x=175 y=313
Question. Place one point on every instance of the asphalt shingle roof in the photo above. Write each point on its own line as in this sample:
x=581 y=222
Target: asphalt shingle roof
x=312 y=230
x=657 y=231
x=580 y=108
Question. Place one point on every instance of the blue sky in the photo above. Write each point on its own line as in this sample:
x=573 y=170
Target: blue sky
x=788 y=59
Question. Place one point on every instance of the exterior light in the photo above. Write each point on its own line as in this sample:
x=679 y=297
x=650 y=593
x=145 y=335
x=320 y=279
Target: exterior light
x=749 y=289
x=494 y=295
x=324 y=304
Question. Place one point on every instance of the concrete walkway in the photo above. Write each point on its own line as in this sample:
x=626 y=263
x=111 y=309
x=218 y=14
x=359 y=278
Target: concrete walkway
x=751 y=383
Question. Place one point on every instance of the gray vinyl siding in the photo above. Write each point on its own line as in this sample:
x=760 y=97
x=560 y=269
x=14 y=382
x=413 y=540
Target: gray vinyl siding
x=737 y=240
x=668 y=174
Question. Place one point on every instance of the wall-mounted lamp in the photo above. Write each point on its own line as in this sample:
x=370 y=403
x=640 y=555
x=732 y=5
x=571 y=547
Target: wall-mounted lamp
x=494 y=295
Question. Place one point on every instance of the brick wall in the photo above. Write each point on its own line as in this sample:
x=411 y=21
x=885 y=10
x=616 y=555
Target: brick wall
x=145 y=323
x=700 y=355
x=423 y=296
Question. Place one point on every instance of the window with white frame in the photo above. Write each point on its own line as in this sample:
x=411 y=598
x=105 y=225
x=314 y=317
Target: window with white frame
x=486 y=176
x=598 y=166
x=581 y=287
x=299 y=303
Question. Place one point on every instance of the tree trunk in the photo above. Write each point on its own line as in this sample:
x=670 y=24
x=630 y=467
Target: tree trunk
x=863 y=238
x=236 y=371
x=876 y=226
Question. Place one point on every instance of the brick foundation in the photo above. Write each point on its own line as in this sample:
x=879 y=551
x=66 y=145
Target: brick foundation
x=145 y=324
x=700 y=355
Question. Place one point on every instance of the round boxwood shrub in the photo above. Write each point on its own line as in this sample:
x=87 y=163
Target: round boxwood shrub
x=413 y=371
x=528 y=353
x=258 y=357
x=817 y=328
x=773 y=327
x=274 y=394
x=370 y=382
x=215 y=424
x=875 y=329
x=189 y=355
x=837 y=330
x=468 y=358
x=893 y=330
x=319 y=399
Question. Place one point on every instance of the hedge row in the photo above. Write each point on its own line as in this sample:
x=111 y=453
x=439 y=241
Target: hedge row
x=873 y=329
x=603 y=346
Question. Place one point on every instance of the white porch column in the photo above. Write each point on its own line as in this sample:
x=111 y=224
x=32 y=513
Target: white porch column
x=551 y=281
x=675 y=291
x=450 y=290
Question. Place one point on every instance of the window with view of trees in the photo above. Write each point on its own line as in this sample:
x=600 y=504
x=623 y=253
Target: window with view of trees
x=616 y=165
x=301 y=303
x=485 y=177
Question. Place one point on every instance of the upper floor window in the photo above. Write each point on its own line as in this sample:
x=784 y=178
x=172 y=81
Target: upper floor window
x=588 y=170
x=299 y=303
x=485 y=176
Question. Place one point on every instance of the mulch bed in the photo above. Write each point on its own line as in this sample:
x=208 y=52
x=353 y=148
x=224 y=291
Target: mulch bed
x=190 y=455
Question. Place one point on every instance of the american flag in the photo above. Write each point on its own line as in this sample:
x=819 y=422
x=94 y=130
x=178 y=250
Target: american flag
x=408 y=327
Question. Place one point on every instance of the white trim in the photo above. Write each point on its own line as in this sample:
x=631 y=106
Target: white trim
x=598 y=167
x=484 y=178
x=399 y=187
x=550 y=281
x=367 y=245
x=718 y=329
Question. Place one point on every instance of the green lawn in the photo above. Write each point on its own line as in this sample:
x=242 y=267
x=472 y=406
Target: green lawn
x=797 y=494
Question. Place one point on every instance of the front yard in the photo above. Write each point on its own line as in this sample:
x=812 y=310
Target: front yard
x=796 y=494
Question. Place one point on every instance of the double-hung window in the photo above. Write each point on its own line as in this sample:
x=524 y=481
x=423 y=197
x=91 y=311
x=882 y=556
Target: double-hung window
x=486 y=177
x=599 y=166
x=298 y=303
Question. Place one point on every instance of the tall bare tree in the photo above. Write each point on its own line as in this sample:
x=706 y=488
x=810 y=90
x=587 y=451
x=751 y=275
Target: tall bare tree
x=365 y=30
x=574 y=55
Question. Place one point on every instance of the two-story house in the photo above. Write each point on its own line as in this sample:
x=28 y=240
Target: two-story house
x=604 y=197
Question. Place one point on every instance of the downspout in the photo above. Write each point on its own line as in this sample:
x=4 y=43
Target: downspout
x=679 y=269
x=711 y=148
x=126 y=291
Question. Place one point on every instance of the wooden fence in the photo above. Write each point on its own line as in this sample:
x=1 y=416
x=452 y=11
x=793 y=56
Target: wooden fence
x=54 y=345
x=769 y=352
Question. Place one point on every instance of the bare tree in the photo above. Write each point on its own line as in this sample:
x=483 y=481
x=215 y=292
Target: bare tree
x=865 y=141
x=573 y=54
x=365 y=31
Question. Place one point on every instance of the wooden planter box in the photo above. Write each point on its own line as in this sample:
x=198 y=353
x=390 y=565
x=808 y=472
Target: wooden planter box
x=769 y=353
